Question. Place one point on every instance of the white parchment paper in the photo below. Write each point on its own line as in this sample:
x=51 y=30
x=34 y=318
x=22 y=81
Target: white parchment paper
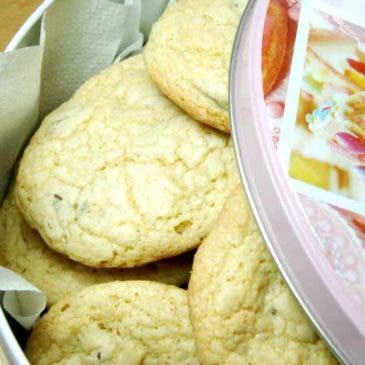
x=20 y=80
x=78 y=39
x=23 y=301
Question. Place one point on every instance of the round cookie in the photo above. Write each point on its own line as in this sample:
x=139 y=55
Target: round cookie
x=241 y=310
x=129 y=323
x=118 y=176
x=23 y=251
x=189 y=50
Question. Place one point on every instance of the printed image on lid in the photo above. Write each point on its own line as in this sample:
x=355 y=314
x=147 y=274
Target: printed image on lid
x=332 y=71
x=320 y=246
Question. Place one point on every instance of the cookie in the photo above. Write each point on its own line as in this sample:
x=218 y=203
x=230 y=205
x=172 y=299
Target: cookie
x=241 y=309
x=189 y=50
x=129 y=323
x=118 y=176
x=23 y=251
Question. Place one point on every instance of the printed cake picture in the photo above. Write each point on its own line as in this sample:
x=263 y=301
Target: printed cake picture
x=323 y=140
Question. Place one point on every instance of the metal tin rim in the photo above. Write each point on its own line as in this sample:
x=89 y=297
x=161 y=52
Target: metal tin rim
x=9 y=344
x=278 y=211
x=26 y=27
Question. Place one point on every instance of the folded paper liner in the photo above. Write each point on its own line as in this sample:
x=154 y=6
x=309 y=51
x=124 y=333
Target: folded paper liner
x=78 y=38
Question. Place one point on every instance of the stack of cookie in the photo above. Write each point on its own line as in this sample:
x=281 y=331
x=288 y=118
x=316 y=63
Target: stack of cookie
x=116 y=188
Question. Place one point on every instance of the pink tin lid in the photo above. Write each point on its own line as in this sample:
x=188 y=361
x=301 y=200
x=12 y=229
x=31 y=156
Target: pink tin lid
x=318 y=249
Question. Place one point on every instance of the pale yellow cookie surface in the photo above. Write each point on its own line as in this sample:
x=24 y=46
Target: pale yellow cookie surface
x=23 y=251
x=119 y=176
x=118 y=323
x=242 y=311
x=188 y=56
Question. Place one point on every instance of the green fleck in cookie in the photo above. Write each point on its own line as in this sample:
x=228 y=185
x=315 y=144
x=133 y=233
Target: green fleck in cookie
x=119 y=323
x=118 y=176
x=241 y=309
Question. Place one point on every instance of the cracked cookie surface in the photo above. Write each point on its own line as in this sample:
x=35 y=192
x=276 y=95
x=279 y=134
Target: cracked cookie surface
x=129 y=323
x=241 y=310
x=189 y=59
x=118 y=176
x=23 y=251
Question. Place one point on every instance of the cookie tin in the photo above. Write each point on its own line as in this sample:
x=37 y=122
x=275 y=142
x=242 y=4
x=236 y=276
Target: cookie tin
x=315 y=246
x=283 y=216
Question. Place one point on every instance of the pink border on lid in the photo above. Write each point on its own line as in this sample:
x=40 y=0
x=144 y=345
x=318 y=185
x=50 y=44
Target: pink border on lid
x=278 y=210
